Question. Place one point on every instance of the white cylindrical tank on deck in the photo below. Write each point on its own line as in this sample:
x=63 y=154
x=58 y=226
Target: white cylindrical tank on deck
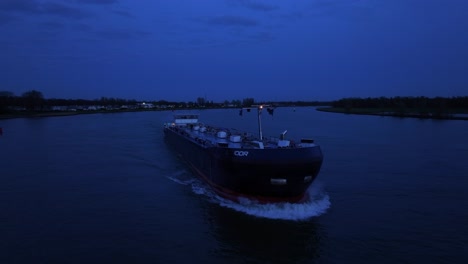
x=235 y=138
x=221 y=134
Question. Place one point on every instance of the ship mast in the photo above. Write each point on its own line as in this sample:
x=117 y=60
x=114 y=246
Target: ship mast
x=259 y=114
x=259 y=110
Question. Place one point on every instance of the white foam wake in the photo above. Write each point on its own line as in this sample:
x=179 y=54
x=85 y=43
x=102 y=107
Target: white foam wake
x=317 y=203
x=182 y=177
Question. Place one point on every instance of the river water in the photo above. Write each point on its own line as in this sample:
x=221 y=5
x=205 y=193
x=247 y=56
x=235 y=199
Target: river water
x=105 y=188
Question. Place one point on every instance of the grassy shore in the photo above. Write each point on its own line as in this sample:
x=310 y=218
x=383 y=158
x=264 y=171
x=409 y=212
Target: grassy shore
x=426 y=114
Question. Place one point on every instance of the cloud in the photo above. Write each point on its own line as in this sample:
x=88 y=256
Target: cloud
x=5 y=19
x=26 y=6
x=124 y=14
x=82 y=27
x=255 y=5
x=64 y=10
x=325 y=4
x=236 y=21
x=36 y=7
x=52 y=25
x=351 y=9
x=98 y=2
x=122 y=34
x=292 y=16
x=262 y=37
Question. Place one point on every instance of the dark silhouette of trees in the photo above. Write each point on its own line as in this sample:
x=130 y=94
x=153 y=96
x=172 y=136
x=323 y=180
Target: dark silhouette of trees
x=418 y=105
x=246 y=102
x=407 y=102
x=33 y=100
x=415 y=106
x=6 y=100
x=201 y=101
x=236 y=103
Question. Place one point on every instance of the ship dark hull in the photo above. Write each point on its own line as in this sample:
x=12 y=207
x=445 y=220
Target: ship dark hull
x=266 y=175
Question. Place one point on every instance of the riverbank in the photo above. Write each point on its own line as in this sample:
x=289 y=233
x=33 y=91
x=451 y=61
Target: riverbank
x=39 y=114
x=68 y=113
x=461 y=115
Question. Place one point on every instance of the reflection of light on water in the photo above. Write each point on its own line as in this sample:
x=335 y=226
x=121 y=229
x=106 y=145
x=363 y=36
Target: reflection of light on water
x=317 y=203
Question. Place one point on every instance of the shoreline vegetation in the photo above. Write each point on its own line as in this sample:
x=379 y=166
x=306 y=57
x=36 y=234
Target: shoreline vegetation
x=32 y=104
x=462 y=115
x=442 y=108
x=37 y=114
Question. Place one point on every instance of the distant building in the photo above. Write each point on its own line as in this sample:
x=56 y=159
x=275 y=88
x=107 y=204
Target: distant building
x=59 y=108
x=146 y=105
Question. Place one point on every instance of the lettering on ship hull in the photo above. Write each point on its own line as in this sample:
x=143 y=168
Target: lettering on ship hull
x=239 y=153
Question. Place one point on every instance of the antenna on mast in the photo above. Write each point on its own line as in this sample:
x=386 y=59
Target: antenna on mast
x=259 y=110
x=259 y=114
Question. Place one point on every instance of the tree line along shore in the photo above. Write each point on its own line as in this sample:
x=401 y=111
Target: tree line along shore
x=33 y=104
x=455 y=108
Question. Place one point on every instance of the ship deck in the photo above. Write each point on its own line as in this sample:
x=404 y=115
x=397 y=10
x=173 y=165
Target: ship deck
x=210 y=136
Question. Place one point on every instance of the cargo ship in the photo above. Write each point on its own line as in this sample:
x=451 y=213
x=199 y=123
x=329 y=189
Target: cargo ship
x=238 y=164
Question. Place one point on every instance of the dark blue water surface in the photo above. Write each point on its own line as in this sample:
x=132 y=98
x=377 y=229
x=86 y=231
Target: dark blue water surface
x=105 y=188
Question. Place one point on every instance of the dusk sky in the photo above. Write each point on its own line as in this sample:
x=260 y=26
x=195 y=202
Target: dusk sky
x=179 y=50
